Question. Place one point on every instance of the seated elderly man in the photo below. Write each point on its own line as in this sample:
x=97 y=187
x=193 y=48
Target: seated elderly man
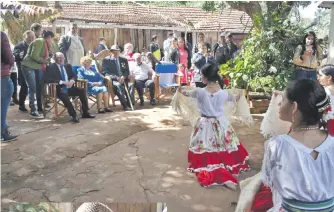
x=116 y=68
x=65 y=78
x=140 y=71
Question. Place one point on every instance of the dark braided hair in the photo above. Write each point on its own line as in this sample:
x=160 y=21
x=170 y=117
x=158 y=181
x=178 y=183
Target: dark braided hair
x=311 y=99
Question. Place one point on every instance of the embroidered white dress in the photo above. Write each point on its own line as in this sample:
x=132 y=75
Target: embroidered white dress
x=215 y=152
x=292 y=173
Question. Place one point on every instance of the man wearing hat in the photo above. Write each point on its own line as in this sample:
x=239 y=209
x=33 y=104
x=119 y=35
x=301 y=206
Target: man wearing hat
x=72 y=46
x=221 y=51
x=154 y=47
x=116 y=69
x=167 y=45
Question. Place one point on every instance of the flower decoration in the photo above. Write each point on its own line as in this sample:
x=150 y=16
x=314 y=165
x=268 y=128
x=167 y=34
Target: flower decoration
x=205 y=178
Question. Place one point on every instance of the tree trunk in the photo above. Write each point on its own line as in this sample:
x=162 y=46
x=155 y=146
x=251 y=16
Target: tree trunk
x=252 y=8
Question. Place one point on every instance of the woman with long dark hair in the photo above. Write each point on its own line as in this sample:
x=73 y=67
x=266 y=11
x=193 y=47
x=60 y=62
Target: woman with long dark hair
x=298 y=166
x=307 y=58
x=181 y=57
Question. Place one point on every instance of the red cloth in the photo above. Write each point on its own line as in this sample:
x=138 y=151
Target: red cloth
x=46 y=56
x=129 y=57
x=263 y=200
x=330 y=127
x=226 y=82
x=235 y=161
x=218 y=176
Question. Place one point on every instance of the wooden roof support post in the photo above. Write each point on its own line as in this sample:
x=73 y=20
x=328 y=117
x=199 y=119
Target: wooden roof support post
x=54 y=26
x=115 y=36
x=185 y=37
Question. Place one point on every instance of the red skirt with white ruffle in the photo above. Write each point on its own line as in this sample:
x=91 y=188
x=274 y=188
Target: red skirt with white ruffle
x=215 y=153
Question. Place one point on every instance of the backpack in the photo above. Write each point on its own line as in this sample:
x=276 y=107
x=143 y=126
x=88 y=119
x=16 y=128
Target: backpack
x=222 y=53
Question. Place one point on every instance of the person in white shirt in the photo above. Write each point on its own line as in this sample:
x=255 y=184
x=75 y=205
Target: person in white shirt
x=72 y=46
x=168 y=45
x=140 y=72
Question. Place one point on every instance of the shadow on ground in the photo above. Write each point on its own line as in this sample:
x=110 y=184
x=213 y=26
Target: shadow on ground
x=138 y=156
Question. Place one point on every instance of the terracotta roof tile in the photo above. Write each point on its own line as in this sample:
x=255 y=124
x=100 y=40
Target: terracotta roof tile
x=193 y=17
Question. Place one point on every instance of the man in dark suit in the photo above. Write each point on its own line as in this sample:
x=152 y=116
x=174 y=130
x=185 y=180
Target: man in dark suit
x=116 y=68
x=20 y=51
x=63 y=75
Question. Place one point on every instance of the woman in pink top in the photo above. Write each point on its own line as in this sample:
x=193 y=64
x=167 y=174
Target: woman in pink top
x=181 y=56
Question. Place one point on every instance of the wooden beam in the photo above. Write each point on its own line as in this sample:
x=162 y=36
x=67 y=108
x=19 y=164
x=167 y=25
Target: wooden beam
x=54 y=27
x=63 y=23
x=116 y=36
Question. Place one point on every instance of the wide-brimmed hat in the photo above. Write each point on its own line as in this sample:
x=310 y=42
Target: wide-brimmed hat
x=115 y=48
x=222 y=34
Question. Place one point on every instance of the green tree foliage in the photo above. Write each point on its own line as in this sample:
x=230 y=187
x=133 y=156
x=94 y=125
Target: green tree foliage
x=266 y=58
x=31 y=207
x=17 y=17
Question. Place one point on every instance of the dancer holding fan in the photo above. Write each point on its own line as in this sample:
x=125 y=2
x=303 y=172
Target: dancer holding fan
x=215 y=152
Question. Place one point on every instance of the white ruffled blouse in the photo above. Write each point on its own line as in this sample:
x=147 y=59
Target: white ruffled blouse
x=292 y=173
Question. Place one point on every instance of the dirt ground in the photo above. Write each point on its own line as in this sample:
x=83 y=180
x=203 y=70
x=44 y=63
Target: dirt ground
x=137 y=156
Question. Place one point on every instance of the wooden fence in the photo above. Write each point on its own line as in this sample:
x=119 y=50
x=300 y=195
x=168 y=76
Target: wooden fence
x=139 y=38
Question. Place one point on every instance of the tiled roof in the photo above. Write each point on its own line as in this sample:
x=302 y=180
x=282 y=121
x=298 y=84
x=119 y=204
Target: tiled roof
x=326 y=4
x=173 y=16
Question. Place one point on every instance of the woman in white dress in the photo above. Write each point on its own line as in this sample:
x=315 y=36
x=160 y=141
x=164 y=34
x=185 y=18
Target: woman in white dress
x=298 y=167
x=215 y=153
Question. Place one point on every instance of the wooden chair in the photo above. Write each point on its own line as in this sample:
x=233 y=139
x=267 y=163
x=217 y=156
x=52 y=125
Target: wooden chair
x=90 y=96
x=50 y=96
x=167 y=80
x=146 y=90
x=108 y=83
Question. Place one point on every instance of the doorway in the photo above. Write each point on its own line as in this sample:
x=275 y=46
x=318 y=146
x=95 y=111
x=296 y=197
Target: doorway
x=190 y=37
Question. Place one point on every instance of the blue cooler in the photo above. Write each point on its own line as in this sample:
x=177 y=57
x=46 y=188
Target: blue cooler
x=166 y=68
x=167 y=73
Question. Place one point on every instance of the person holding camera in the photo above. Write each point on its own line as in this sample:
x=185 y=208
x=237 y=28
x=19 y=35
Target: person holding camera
x=307 y=58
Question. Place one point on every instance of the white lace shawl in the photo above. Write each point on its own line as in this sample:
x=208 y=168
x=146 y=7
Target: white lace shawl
x=271 y=124
x=266 y=171
x=186 y=106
